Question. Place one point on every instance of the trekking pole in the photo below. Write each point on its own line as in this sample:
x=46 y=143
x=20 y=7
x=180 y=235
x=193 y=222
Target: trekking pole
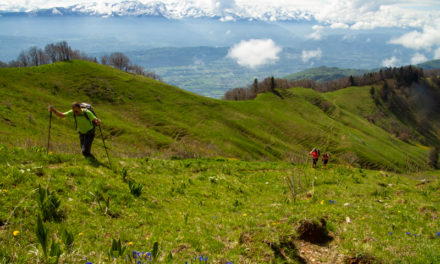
x=50 y=125
x=103 y=142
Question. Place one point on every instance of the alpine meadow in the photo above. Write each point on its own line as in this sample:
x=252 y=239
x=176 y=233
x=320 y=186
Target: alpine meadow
x=223 y=132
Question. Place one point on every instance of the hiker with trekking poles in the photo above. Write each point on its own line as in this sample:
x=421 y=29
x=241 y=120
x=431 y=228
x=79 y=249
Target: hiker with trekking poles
x=85 y=122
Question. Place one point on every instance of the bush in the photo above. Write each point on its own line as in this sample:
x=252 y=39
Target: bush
x=49 y=205
x=135 y=188
x=433 y=158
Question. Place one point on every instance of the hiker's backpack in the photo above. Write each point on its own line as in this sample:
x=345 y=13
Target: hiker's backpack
x=84 y=107
x=317 y=151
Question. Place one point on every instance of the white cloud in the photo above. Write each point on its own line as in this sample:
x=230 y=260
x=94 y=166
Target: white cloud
x=391 y=62
x=420 y=40
x=339 y=25
x=311 y=54
x=254 y=52
x=418 y=58
x=437 y=54
x=317 y=33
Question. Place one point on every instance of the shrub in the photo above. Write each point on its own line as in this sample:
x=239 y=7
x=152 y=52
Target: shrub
x=433 y=158
x=49 y=205
x=135 y=188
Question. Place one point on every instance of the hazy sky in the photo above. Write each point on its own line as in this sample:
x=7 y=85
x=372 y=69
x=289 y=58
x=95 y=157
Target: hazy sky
x=421 y=18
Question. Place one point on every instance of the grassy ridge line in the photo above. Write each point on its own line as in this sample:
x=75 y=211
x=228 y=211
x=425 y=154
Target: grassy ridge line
x=323 y=74
x=226 y=209
x=142 y=116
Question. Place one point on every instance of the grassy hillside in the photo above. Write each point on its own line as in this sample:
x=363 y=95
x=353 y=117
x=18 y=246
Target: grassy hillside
x=226 y=210
x=323 y=74
x=143 y=117
x=433 y=64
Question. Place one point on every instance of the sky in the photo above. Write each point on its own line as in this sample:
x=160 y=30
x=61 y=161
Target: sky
x=421 y=18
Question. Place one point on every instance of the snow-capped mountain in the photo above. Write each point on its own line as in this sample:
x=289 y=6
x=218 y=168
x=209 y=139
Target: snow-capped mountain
x=171 y=10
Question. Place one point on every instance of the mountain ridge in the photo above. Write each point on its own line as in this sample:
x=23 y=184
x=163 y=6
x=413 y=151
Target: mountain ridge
x=167 y=10
x=146 y=117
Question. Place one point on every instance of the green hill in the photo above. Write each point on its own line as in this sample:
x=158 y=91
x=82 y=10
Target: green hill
x=433 y=64
x=143 y=117
x=213 y=181
x=323 y=74
x=227 y=210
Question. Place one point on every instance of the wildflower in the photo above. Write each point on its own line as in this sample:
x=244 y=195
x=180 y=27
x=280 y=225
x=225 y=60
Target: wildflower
x=331 y=201
x=322 y=202
x=438 y=234
x=201 y=257
x=244 y=214
x=363 y=218
x=408 y=233
x=89 y=262
x=80 y=234
x=398 y=212
x=390 y=233
x=16 y=232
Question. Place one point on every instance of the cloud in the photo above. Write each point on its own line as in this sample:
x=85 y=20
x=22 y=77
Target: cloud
x=339 y=25
x=437 y=54
x=317 y=34
x=418 y=58
x=254 y=52
x=311 y=54
x=391 y=62
x=429 y=37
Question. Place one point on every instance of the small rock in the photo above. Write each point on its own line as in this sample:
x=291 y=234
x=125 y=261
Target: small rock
x=346 y=204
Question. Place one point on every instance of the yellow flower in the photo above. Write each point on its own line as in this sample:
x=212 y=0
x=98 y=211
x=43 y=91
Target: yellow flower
x=322 y=202
x=16 y=232
x=399 y=212
x=363 y=218
x=244 y=214
x=260 y=214
x=5 y=190
x=80 y=234
x=130 y=243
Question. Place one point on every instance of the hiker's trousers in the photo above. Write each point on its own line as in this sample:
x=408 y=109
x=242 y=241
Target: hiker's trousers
x=86 y=141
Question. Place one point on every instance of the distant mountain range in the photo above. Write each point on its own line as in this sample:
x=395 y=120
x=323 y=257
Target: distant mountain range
x=172 y=10
x=324 y=73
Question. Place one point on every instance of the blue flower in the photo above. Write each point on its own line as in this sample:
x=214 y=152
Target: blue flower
x=390 y=233
x=89 y=262
x=438 y=234
x=201 y=257
x=408 y=233
x=331 y=201
x=229 y=262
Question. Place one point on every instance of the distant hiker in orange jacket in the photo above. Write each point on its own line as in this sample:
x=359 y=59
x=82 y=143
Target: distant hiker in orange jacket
x=84 y=120
x=315 y=154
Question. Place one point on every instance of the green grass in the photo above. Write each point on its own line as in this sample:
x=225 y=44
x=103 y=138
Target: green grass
x=226 y=209
x=323 y=74
x=146 y=117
